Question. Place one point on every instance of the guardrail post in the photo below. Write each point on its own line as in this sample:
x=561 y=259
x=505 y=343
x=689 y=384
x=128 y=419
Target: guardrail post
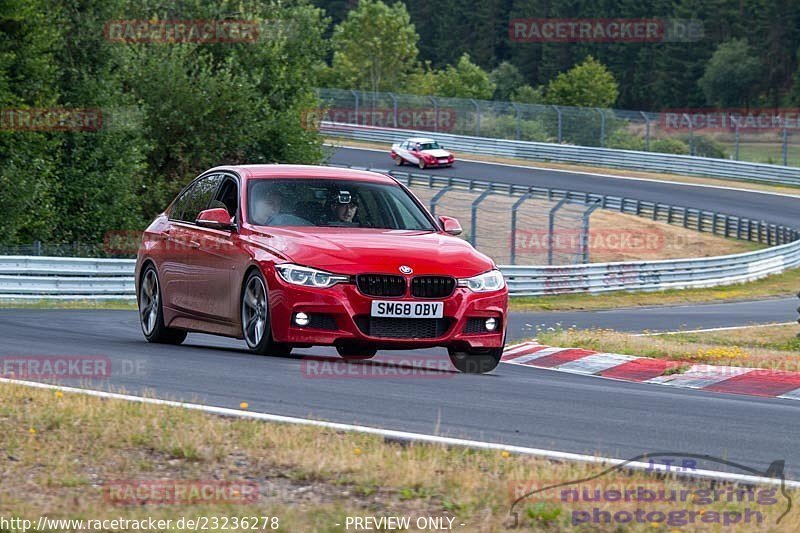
x=435 y=113
x=394 y=108
x=519 y=119
x=785 y=144
x=585 y=232
x=477 y=117
x=37 y=248
x=602 y=127
x=738 y=138
x=646 y=131
x=437 y=197
x=355 y=97
x=558 y=111
x=475 y=203
x=691 y=133
x=514 y=209
x=551 y=229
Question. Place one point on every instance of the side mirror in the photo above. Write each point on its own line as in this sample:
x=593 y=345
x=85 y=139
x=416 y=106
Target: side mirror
x=450 y=225
x=217 y=218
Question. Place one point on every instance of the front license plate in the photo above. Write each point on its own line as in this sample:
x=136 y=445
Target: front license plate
x=399 y=309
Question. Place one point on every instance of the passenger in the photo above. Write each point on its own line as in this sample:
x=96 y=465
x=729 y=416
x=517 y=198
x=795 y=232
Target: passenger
x=268 y=211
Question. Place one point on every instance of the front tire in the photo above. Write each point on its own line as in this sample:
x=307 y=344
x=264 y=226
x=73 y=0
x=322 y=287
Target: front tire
x=421 y=164
x=398 y=161
x=256 y=327
x=476 y=362
x=151 y=311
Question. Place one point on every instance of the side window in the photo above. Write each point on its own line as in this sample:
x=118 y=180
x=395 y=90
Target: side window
x=195 y=199
x=228 y=197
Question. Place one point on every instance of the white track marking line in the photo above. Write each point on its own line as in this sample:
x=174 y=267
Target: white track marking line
x=728 y=328
x=700 y=376
x=601 y=175
x=791 y=395
x=592 y=364
x=523 y=359
x=516 y=348
x=419 y=437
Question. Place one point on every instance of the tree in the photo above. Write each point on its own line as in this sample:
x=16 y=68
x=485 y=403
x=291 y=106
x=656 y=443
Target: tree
x=507 y=80
x=375 y=48
x=28 y=159
x=424 y=80
x=589 y=84
x=465 y=80
x=528 y=95
x=731 y=75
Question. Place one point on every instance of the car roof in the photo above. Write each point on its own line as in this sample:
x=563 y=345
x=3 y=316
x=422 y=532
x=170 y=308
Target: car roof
x=420 y=140
x=304 y=171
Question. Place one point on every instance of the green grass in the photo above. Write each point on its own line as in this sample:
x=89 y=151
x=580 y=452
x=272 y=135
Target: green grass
x=785 y=284
x=771 y=153
x=768 y=347
x=126 y=305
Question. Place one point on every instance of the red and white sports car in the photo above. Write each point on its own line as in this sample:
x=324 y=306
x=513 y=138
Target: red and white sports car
x=421 y=152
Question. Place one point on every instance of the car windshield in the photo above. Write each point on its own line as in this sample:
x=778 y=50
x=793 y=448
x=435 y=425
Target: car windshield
x=333 y=203
x=429 y=146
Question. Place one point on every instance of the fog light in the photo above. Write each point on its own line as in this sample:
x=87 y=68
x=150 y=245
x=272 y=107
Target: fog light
x=301 y=319
x=491 y=324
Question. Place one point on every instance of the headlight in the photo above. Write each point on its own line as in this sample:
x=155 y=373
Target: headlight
x=308 y=277
x=489 y=281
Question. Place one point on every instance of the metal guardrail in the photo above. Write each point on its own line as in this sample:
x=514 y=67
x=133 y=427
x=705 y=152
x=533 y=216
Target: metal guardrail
x=69 y=278
x=35 y=278
x=583 y=155
x=652 y=275
x=722 y=224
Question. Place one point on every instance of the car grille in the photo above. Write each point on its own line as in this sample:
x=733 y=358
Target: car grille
x=475 y=325
x=432 y=286
x=322 y=321
x=403 y=328
x=381 y=284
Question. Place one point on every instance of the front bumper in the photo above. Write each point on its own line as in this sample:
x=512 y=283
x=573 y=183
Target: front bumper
x=349 y=312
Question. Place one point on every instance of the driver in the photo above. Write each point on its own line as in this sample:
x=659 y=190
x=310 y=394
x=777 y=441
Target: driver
x=343 y=206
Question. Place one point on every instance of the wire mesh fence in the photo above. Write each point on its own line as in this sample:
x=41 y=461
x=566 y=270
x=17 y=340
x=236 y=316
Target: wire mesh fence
x=761 y=136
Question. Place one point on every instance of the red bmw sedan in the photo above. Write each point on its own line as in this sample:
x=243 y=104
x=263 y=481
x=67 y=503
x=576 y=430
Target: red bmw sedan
x=291 y=256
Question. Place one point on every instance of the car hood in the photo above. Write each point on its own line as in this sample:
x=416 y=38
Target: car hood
x=354 y=251
x=437 y=153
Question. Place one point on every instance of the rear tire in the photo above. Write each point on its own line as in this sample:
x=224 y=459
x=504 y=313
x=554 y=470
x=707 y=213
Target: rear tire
x=151 y=311
x=476 y=362
x=421 y=164
x=355 y=352
x=256 y=327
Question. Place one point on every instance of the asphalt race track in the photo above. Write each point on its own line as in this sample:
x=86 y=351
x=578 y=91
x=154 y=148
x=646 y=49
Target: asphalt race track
x=774 y=208
x=516 y=405
x=513 y=405
x=668 y=318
